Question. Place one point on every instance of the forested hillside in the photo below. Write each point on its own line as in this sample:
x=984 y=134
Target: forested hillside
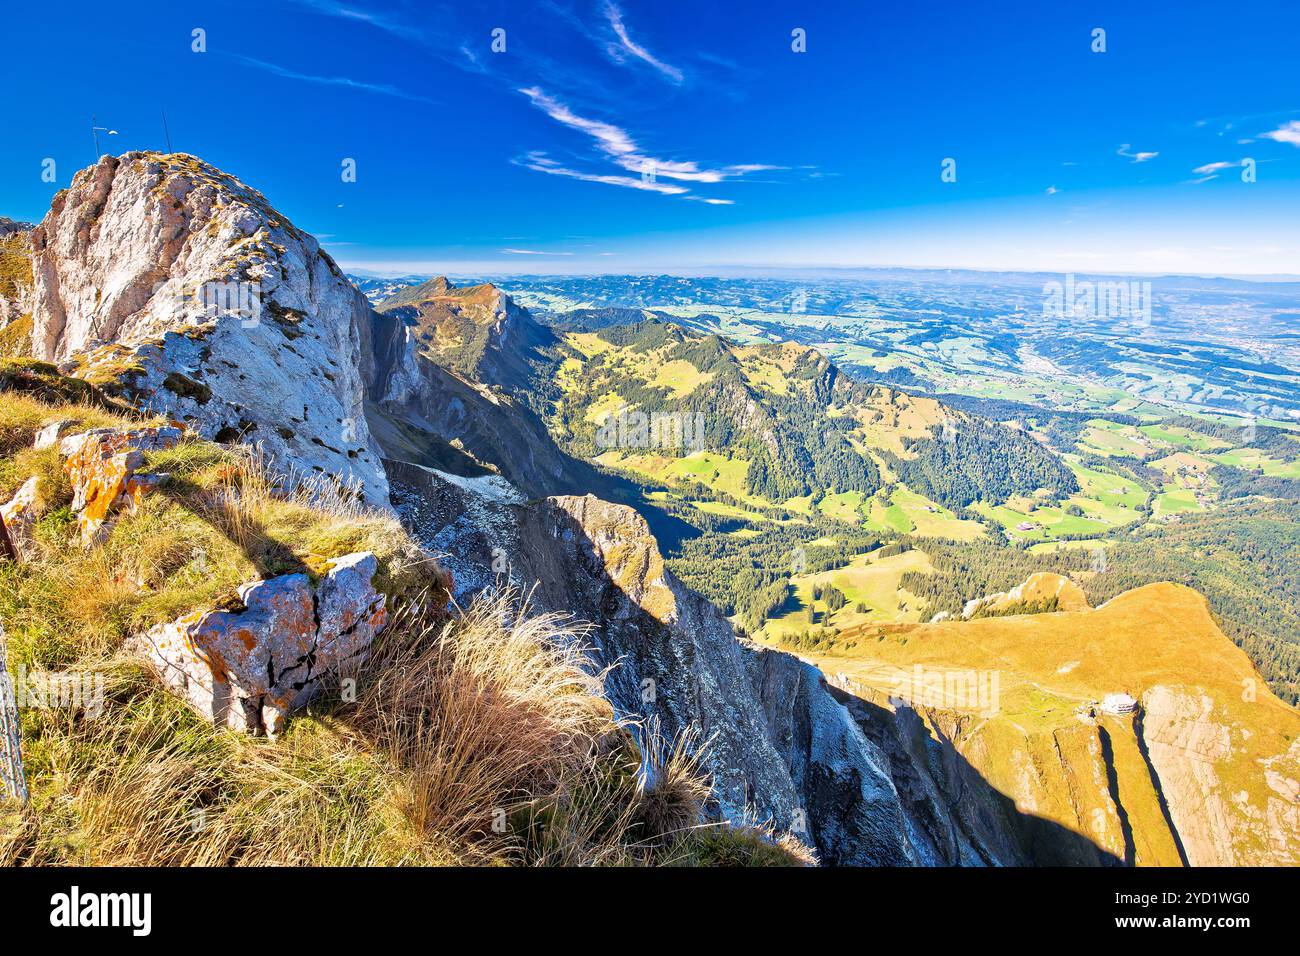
x=797 y=425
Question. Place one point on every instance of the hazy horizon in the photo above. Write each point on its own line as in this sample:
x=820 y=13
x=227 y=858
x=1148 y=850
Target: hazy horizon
x=677 y=137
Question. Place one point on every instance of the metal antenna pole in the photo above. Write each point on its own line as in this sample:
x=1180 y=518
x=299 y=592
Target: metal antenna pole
x=166 y=134
x=94 y=131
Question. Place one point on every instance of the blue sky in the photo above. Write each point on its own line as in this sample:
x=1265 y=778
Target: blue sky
x=536 y=159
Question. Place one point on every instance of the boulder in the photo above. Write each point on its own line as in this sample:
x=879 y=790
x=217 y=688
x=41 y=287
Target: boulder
x=249 y=669
x=19 y=515
x=102 y=466
x=51 y=434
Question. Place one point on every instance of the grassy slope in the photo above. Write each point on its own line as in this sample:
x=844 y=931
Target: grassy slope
x=869 y=580
x=1050 y=663
x=502 y=716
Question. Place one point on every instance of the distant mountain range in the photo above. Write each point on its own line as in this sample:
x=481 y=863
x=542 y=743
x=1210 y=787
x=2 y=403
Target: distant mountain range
x=741 y=531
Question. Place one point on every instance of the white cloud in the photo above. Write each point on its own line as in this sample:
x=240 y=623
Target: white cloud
x=615 y=16
x=383 y=88
x=609 y=138
x=1286 y=133
x=619 y=147
x=1138 y=157
x=1052 y=190
x=541 y=163
x=533 y=252
x=1211 y=171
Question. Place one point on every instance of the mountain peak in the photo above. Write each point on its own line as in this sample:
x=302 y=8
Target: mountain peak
x=154 y=269
x=477 y=331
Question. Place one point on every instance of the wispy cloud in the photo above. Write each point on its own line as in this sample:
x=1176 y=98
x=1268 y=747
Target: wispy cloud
x=1211 y=170
x=351 y=11
x=1286 y=133
x=615 y=17
x=618 y=146
x=533 y=252
x=345 y=81
x=1052 y=190
x=1139 y=157
x=541 y=163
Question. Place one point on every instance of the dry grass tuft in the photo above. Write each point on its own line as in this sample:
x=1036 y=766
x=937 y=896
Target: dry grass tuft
x=477 y=739
x=672 y=783
x=483 y=714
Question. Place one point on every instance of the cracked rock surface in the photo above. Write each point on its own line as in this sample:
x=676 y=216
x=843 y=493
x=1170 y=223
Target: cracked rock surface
x=165 y=279
x=249 y=669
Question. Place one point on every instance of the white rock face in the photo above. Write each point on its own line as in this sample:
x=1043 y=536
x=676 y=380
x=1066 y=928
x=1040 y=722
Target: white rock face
x=182 y=286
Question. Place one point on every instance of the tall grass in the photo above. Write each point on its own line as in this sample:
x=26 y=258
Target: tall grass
x=475 y=736
x=479 y=739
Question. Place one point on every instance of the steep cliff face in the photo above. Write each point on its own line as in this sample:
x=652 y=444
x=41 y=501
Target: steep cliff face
x=1210 y=779
x=781 y=748
x=164 y=277
x=445 y=369
x=1132 y=733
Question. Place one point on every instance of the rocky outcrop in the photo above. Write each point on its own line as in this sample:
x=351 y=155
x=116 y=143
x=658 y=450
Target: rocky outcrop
x=103 y=467
x=167 y=279
x=780 y=747
x=250 y=668
x=478 y=332
x=855 y=811
x=19 y=517
x=448 y=376
x=10 y=226
x=1042 y=589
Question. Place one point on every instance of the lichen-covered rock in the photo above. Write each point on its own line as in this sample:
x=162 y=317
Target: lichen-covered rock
x=102 y=466
x=164 y=279
x=249 y=669
x=19 y=515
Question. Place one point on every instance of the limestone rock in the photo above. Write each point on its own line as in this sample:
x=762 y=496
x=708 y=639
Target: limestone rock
x=169 y=281
x=102 y=466
x=51 y=434
x=249 y=669
x=19 y=515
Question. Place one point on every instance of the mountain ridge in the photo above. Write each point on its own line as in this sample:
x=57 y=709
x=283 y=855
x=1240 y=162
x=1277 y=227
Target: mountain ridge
x=445 y=405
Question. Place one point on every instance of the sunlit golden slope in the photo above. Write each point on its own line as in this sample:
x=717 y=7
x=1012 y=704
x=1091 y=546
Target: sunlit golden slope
x=1206 y=771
